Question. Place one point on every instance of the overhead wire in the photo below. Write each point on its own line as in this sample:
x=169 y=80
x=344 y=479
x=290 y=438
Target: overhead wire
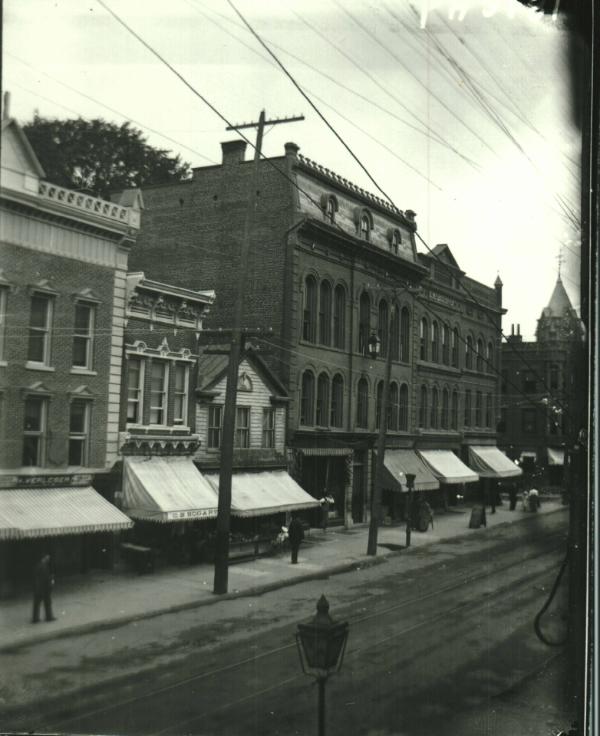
x=217 y=112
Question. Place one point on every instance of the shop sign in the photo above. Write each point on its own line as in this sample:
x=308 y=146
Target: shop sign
x=193 y=514
x=442 y=299
x=48 y=481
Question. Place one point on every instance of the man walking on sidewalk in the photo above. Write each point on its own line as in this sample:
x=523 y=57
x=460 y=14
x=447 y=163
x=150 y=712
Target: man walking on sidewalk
x=295 y=535
x=42 y=589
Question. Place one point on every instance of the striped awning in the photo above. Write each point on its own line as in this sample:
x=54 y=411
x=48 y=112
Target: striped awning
x=325 y=451
x=490 y=462
x=399 y=462
x=267 y=492
x=166 y=489
x=49 y=512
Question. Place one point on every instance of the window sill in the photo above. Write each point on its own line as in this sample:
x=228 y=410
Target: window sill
x=75 y=370
x=31 y=366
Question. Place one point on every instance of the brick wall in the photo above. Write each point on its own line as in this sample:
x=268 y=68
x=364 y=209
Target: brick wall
x=23 y=267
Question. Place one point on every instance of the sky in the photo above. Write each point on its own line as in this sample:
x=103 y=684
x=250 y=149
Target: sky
x=459 y=109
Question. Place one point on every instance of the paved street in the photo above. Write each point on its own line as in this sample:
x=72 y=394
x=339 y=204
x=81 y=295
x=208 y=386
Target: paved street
x=438 y=637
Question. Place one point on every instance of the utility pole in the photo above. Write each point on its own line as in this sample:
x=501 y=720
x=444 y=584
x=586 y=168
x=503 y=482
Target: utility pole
x=226 y=465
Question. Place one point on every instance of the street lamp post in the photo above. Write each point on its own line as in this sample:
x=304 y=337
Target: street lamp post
x=410 y=483
x=321 y=646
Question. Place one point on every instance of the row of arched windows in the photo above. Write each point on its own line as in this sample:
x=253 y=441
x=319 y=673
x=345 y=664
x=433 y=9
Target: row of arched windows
x=440 y=411
x=393 y=328
x=322 y=401
x=324 y=316
x=440 y=344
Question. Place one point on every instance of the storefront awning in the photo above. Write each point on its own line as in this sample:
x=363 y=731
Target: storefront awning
x=556 y=456
x=399 y=462
x=26 y=513
x=447 y=468
x=258 y=494
x=529 y=453
x=490 y=462
x=166 y=489
x=325 y=451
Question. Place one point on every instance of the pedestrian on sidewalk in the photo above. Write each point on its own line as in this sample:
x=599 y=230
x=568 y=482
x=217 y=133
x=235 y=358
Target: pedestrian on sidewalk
x=326 y=502
x=43 y=580
x=295 y=535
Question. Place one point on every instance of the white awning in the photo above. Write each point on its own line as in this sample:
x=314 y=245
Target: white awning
x=268 y=492
x=529 y=453
x=50 y=512
x=490 y=462
x=166 y=489
x=448 y=468
x=400 y=462
x=556 y=456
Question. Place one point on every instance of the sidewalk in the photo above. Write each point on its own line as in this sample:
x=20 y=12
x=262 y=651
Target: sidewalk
x=101 y=599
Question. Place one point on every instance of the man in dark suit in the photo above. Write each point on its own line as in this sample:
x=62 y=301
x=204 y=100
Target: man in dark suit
x=295 y=535
x=42 y=589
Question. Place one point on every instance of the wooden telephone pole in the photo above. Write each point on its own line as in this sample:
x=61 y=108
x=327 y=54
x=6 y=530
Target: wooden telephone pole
x=226 y=467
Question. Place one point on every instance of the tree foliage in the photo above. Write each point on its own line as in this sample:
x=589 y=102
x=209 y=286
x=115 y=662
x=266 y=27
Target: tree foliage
x=99 y=157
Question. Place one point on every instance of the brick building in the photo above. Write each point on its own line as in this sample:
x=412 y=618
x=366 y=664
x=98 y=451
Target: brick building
x=331 y=266
x=63 y=262
x=541 y=390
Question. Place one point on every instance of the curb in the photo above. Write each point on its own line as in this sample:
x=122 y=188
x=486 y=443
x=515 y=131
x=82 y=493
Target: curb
x=257 y=590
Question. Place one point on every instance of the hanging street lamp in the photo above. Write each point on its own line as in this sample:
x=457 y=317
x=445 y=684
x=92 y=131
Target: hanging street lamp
x=321 y=646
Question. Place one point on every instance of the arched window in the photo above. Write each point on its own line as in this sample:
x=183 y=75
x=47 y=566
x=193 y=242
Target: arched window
x=488 y=410
x=423 y=407
x=480 y=355
x=309 y=324
x=423 y=335
x=445 y=345
x=362 y=403
x=434 y=408
x=382 y=327
x=395 y=333
x=454 y=414
x=490 y=358
x=307 y=398
x=325 y=313
x=435 y=342
x=378 y=403
x=478 y=408
x=467 y=408
x=339 y=317
x=469 y=353
x=322 y=400
x=392 y=422
x=364 y=323
x=396 y=241
x=455 y=347
x=337 y=401
x=404 y=334
x=403 y=408
x=445 y=408
x=330 y=210
x=365 y=227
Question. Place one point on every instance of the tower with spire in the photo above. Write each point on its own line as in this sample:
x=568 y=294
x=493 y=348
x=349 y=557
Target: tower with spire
x=558 y=321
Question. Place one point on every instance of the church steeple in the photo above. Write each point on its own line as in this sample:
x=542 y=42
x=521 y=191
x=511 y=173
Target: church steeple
x=558 y=321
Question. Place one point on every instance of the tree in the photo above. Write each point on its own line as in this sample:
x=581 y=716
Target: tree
x=99 y=157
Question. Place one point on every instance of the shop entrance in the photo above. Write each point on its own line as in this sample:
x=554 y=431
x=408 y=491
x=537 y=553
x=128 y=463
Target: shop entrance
x=325 y=476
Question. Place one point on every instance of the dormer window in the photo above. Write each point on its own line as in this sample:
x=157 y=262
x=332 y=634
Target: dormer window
x=396 y=242
x=330 y=210
x=365 y=227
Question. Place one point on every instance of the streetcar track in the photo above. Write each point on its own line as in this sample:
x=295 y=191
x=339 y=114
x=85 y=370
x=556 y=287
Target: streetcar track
x=354 y=653
x=454 y=585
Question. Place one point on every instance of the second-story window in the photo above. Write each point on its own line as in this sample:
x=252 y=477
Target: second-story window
x=445 y=346
x=423 y=407
x=445 y=408
x=40 y=324
x=478 y=408
x=215 y=426
x=180 y=393
x=339 y=317
x=135 y=391
x=79 y=430
x=337 y=401
x=392 y=421
x=34 y=431
x=454 y=412
x=423 y=332
x=434 y=408
x=480 y=355
x=268 y=427
x=307 y=398
x=382 y=327
x=309 y=323
x=467 y=408
x=322 y=400
x=364 y=323
x=83 y=335
x=490 y=358
x=403 y=408
x=469 y=353
x=325 y=313
x=404 y=335
x=455 y=348
x=362 y=404
x=242 y=426
x=378 y=404
x=435 y=342
x=488 y=410
x=159 y=383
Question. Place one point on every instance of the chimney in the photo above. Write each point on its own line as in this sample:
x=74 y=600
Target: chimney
x=233 y=152
x=291 y=150
x=6 y=106
x=518 y=329
x=512 y=329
